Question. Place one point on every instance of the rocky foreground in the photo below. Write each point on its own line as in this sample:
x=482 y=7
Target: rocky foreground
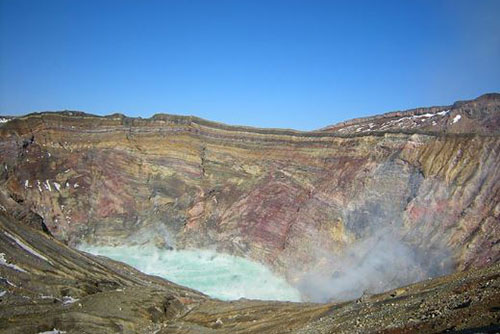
x=417 y=189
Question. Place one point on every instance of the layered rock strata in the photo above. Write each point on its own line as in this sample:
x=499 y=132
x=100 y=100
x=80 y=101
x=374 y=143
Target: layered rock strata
x=297 y=201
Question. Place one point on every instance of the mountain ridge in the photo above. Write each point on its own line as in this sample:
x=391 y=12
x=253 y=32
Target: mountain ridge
x=185 y=119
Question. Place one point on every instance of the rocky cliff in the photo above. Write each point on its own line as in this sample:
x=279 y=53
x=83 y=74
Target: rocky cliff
x=422 y=185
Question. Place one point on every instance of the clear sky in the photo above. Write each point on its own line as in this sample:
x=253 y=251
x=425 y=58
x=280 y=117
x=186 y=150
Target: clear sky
x=289 y=64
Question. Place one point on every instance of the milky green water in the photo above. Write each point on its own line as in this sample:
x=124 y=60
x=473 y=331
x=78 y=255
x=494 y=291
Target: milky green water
x=218 y=275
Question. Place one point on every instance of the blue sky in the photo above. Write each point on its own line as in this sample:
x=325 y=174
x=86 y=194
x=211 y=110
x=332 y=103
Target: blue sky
x=289 y=64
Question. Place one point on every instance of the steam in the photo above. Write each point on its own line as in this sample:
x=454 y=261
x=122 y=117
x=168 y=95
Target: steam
x=382 y=256
x=372 y=265
x=157 y=235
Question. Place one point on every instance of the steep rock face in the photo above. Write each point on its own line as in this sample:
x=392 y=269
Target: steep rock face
x=294 y=200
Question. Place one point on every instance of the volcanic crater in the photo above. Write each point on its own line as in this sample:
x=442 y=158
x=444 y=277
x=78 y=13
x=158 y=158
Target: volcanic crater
x=385 y=224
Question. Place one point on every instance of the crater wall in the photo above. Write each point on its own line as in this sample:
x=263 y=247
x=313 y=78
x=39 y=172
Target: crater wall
x=297 y=201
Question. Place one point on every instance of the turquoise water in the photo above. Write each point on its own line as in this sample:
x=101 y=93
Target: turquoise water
x=218 y=275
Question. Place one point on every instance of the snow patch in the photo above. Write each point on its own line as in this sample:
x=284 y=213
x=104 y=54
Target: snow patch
x=2 y=293
x=456 y=119
x=38 y=184
x=54 y=331
x=4 y=280
x=4 y=262
x=67 y=300
x=47 y=186
x=427 y=115
x=422 y=116
x=48 y=297
x=26 y=184
x=57 y=185
x=4 y=120
x=75 y=185
x=26 y=247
